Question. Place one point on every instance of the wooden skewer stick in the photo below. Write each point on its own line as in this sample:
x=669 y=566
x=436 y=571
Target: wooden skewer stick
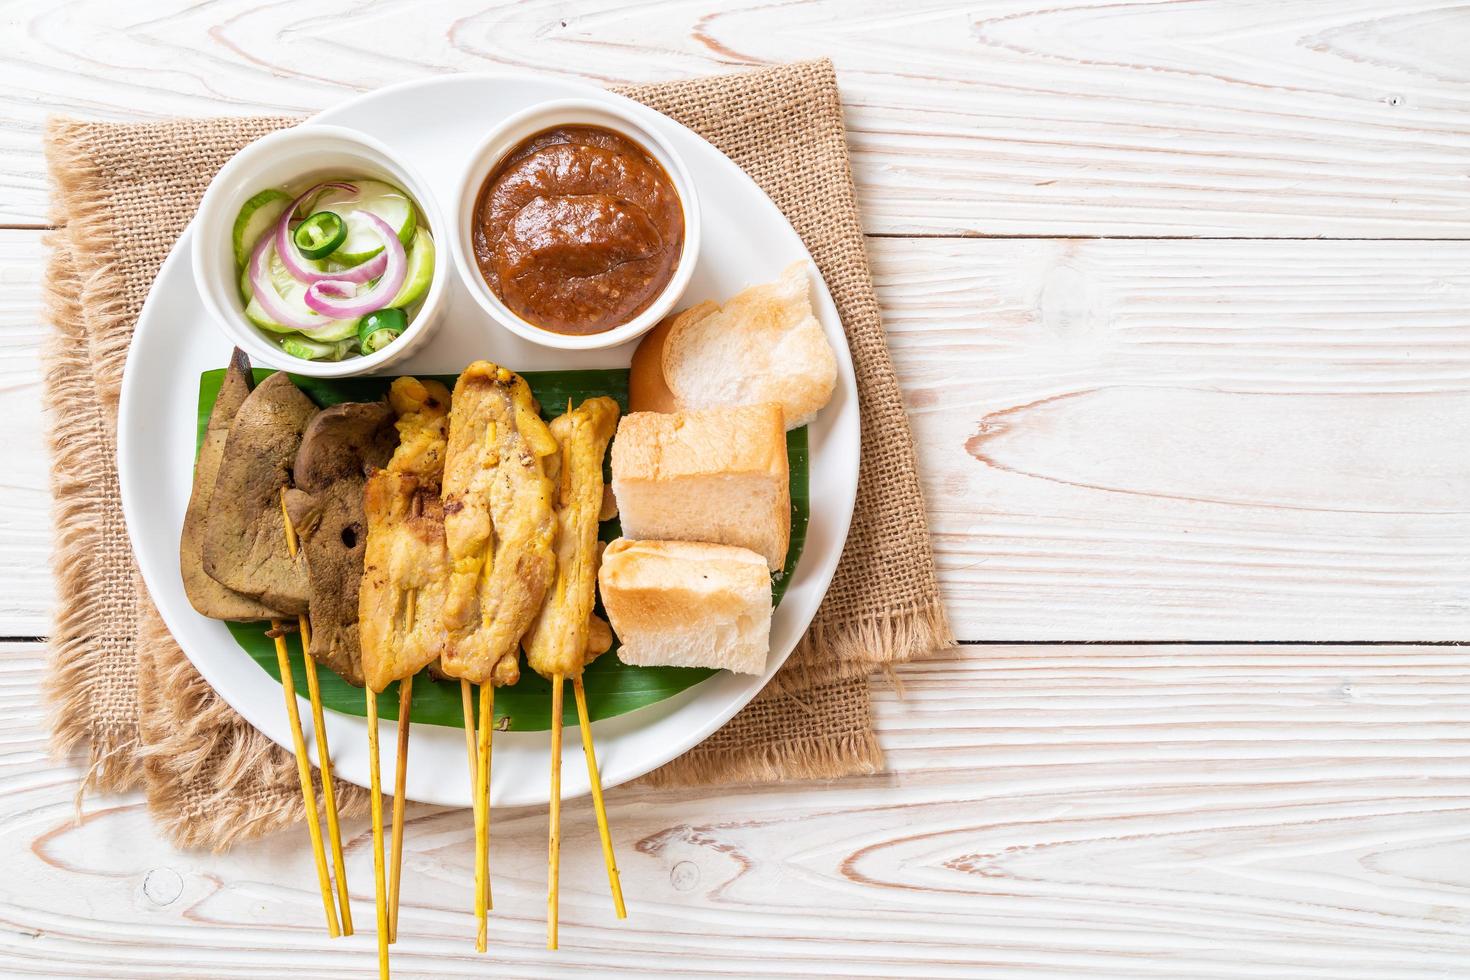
x=400 y=777
x=303 y=770
x=376 y=780
x=467 y=705
x=554 y=855
x=482 y=814
x=329 y=793
x=585 y=723
x=323 y=751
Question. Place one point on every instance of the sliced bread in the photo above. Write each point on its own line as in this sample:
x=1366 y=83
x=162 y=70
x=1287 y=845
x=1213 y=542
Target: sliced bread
x=763 y=345
x=647 y=391
x=718 y=476
x=684 y=604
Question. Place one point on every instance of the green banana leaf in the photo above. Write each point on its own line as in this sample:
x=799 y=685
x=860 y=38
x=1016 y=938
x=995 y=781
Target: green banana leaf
x=613 y=687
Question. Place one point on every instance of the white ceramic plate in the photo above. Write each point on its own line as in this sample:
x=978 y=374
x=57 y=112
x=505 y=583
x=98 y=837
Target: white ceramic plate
x=433 y=124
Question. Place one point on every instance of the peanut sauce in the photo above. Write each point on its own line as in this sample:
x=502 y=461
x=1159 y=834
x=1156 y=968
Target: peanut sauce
x=578 y=229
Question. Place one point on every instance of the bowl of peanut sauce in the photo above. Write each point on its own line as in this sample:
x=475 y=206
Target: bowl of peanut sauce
x=578 y=225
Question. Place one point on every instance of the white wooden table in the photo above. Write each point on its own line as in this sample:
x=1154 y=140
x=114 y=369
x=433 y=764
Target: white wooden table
x=1180 y=298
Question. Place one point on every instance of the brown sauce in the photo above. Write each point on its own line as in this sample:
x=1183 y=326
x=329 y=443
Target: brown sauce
x=578 y=229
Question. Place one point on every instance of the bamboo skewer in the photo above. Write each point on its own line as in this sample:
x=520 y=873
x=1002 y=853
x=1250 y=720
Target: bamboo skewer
x=303 y=770
x=400 y=777
x=324 y=752
x=467 y=704
x=554 y=853
x=482 y=814
x=376 y=779
x=329 y=793
x=467 y=707
x=584 y=722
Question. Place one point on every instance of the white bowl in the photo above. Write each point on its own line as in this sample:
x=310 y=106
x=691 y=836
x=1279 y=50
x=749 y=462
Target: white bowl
x=634 y=122
x=294 y=158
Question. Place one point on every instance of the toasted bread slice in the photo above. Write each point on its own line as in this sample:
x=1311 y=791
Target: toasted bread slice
x=764 y=345
x=719 y=476
x=647 y=391
x=686 y=604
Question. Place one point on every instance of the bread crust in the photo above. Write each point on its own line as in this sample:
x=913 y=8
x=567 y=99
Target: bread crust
x=647 y=390
x=764 y=344
x=687 y=604
x=719 y=475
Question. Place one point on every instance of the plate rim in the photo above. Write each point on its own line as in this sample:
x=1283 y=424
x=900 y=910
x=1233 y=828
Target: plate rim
x=270 y=720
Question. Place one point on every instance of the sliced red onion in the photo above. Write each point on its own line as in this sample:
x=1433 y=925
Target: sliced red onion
x=319 y=295
x=292 y=260
x=265 y=290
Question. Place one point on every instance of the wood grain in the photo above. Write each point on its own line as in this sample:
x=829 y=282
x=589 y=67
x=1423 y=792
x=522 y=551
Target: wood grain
x=1120 y=440
x=1284 y=118
x=25 y=525
x=1052 y=812
x=1138 y=440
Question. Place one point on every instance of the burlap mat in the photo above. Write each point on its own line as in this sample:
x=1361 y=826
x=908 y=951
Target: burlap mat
x=120 y=685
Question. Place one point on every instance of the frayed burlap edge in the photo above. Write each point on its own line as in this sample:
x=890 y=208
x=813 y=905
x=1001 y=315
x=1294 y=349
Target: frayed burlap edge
x=213 y=779
x=824 y=733
x=864 y=645
x=817 y=757
x=79 y=401
x=780 y=735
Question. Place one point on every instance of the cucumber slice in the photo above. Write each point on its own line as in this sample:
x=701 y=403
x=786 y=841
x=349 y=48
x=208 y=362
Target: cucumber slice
x=247 y=291
x=334 y=330
x=293 y=296
x=256 y=314
x=376 y=197
x=256 y=217
x=420 y=269
x=310 y=350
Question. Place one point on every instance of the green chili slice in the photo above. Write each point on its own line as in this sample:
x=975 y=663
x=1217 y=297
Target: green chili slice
x=380 y=328
x=320 y=235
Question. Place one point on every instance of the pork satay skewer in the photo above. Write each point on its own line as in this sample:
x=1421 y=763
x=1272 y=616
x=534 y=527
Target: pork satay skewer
x=405 y=568
x=323 y=750
x=559 y=644
x=499 y=527
x=400 y=603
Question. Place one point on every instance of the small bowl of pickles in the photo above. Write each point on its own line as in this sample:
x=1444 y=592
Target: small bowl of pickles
x=316 y=253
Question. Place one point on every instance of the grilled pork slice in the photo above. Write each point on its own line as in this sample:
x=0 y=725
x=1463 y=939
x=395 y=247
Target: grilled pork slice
x=405 y=563
x=423 y=429
x=498 y=522
x=405 y=578
x=558 y=641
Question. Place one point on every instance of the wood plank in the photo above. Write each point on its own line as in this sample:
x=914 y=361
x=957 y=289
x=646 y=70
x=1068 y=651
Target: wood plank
x=25 y=497
x=1119 y=439
x=1190 y=440
x=1289 y=118
x=1061 y=812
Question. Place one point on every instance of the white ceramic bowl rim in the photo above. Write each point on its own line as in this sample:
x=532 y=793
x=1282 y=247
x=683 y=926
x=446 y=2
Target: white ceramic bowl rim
x=213 y=254
x=632 y=122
